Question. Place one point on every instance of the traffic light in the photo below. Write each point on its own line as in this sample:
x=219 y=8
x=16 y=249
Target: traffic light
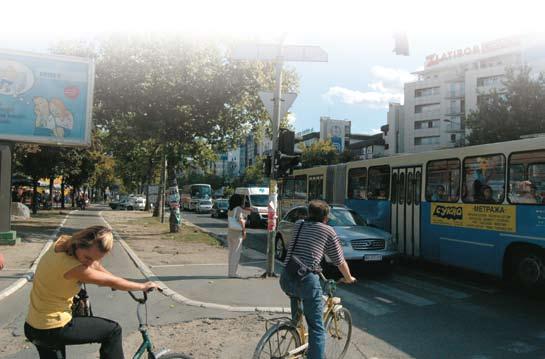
x=286 y=163
x=286 y=141
x=267 y=165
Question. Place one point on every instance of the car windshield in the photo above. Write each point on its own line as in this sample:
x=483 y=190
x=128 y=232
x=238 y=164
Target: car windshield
x=222 y=204
x=344 y=217
x=259 y=200
x=201 y=191
x=206 y=202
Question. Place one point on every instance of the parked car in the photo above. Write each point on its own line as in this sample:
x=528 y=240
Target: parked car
x=220 y=208
x=203 y=206
x=129 y=203
x=360 y=242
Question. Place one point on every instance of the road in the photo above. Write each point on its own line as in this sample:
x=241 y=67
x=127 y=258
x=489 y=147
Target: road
x=424 y=311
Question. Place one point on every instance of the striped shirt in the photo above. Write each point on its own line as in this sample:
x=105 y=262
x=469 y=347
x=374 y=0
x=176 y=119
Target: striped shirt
x=315 y=239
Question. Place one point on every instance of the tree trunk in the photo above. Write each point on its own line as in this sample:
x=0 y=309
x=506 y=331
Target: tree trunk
x=50 y=201
x=175 y=219
x=35 y=205
x=62 y=193
x=159 y=204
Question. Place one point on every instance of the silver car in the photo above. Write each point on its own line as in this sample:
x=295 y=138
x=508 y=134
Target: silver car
x=203 y=206
x=360 y=242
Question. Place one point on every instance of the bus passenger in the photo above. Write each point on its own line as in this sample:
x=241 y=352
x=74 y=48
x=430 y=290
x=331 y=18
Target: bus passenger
x=487 y=196
x=439 y=195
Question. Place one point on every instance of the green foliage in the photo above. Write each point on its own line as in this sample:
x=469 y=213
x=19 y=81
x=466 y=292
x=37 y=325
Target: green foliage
x=509 y=114
x=253 y=175
x=319 y=153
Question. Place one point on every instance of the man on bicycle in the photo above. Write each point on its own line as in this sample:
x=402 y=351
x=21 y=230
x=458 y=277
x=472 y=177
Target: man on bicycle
x=314 y=238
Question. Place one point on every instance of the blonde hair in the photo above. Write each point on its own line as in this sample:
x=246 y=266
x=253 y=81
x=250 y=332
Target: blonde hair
x=100 y=236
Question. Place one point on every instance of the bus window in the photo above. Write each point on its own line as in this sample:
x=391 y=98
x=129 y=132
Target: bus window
x=379 y=182
x=418 y=189
x=484 y=179
x=410 y=188
x=315 y=187
x=288 y=188
x=300 y=187
x=443 y=181
x=527 y=178
x=357 y=183
x=394 y=188
x=401 y=190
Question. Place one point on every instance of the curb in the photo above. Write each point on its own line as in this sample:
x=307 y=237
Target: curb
x=177 y=297
x=30 y=274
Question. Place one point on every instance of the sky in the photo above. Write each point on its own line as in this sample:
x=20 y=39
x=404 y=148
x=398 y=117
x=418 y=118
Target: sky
x=362 y=74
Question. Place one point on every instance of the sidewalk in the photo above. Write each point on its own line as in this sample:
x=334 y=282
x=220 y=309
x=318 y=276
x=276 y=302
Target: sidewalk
x=36 y=234
x=194 y=265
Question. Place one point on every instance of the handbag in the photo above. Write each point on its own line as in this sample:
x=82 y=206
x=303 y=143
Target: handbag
x=233 y=222
x=295 y=266
x=81 y=306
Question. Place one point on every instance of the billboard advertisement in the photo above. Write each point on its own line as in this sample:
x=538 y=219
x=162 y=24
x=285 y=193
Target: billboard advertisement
x=335 y=131
x=45 y=99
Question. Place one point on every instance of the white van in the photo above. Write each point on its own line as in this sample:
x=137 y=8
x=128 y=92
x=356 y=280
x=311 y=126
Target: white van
x=256 y=199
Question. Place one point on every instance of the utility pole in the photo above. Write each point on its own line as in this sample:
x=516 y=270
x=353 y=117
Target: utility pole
x=277 y=54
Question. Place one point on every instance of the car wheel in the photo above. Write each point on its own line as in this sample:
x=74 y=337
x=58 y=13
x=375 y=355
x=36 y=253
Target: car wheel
x=280 y=249
x=129 y=208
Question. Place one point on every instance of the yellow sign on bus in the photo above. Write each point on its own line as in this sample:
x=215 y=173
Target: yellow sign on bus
x=479 y=216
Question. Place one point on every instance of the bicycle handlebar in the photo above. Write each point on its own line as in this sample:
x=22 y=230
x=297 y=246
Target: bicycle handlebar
x=145 y=296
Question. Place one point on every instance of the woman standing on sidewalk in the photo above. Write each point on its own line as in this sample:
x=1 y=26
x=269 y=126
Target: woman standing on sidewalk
x=72 y=260
x=236 y=233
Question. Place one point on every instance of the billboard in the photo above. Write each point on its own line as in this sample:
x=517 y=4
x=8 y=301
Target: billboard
x=45 y=99
x=335 y=130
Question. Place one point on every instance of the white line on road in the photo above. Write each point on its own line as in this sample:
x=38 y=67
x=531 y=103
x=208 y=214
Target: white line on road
x=450 y=293
x=200 y=264
x=453 y=282
x=358 y=304
x=397 y=293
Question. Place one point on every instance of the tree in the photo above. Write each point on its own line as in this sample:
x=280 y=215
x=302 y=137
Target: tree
x=511 y=113
x=319 y=153
x=254 y=174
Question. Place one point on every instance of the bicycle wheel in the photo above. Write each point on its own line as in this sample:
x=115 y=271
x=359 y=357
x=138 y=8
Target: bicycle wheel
x=277 y=342
x=338 y=326
x=175 y=356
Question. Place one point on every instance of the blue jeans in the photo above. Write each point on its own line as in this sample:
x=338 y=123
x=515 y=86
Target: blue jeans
x=309 y=290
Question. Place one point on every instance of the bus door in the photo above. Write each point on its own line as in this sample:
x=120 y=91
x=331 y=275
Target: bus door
x=406 y=193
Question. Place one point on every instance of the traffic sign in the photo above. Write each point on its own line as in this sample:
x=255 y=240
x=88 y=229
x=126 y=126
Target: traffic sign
x=285 y=102
x=266 y=52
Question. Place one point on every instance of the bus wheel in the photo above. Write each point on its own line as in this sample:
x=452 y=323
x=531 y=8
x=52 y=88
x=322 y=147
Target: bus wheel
x=528 y=268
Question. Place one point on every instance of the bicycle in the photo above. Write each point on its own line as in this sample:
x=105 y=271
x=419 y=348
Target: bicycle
x=147 y=345
x=288 y=339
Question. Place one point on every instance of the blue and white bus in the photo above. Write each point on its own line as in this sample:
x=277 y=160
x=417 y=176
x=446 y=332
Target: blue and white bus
x=476 y=207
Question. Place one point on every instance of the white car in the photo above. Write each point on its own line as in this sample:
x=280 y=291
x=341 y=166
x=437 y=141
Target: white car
x=203 y=206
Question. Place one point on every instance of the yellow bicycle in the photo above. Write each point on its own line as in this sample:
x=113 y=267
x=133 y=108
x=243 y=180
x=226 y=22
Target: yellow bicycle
x=288 y=339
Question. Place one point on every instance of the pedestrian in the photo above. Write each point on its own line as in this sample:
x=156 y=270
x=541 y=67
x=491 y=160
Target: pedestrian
x=236 y=233
x=72 y=260
x=312 y=239
x=1 y=261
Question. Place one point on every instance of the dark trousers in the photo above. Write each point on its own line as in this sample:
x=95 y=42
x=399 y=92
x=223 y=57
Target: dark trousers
x=51 y=343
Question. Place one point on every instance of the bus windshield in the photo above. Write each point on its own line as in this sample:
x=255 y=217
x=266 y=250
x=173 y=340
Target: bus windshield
x=202 y=191
x=259 y=200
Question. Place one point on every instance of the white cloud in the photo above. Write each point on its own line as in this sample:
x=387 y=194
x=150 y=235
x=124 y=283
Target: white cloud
x=387 y=85
x=374 y=131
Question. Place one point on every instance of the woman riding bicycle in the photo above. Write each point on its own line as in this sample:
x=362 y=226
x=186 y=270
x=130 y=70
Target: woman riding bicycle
x=72 y=260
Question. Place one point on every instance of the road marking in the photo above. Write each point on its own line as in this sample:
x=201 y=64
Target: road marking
x=199 y=264
x=398 y=294
x=453 y=282
x=430 y=287
x=357 y=304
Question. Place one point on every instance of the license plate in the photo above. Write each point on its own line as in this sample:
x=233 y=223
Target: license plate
x=373 y=258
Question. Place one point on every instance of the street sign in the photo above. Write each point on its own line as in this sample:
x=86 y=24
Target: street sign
x=285 y=102
x=265 y=52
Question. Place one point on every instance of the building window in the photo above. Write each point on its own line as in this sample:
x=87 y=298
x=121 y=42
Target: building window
x=453 y=138
x=431 y=107
x=429 y=91
x=484 y=179
x=427 y=140
x=426 y=124
x=315 y=187
x=496 y=80
x=443 y=181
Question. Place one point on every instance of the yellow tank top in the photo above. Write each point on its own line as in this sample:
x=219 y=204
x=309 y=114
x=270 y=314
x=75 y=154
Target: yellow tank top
x=51 y=295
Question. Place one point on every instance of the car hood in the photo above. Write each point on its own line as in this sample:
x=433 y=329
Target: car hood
x=360 y=232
